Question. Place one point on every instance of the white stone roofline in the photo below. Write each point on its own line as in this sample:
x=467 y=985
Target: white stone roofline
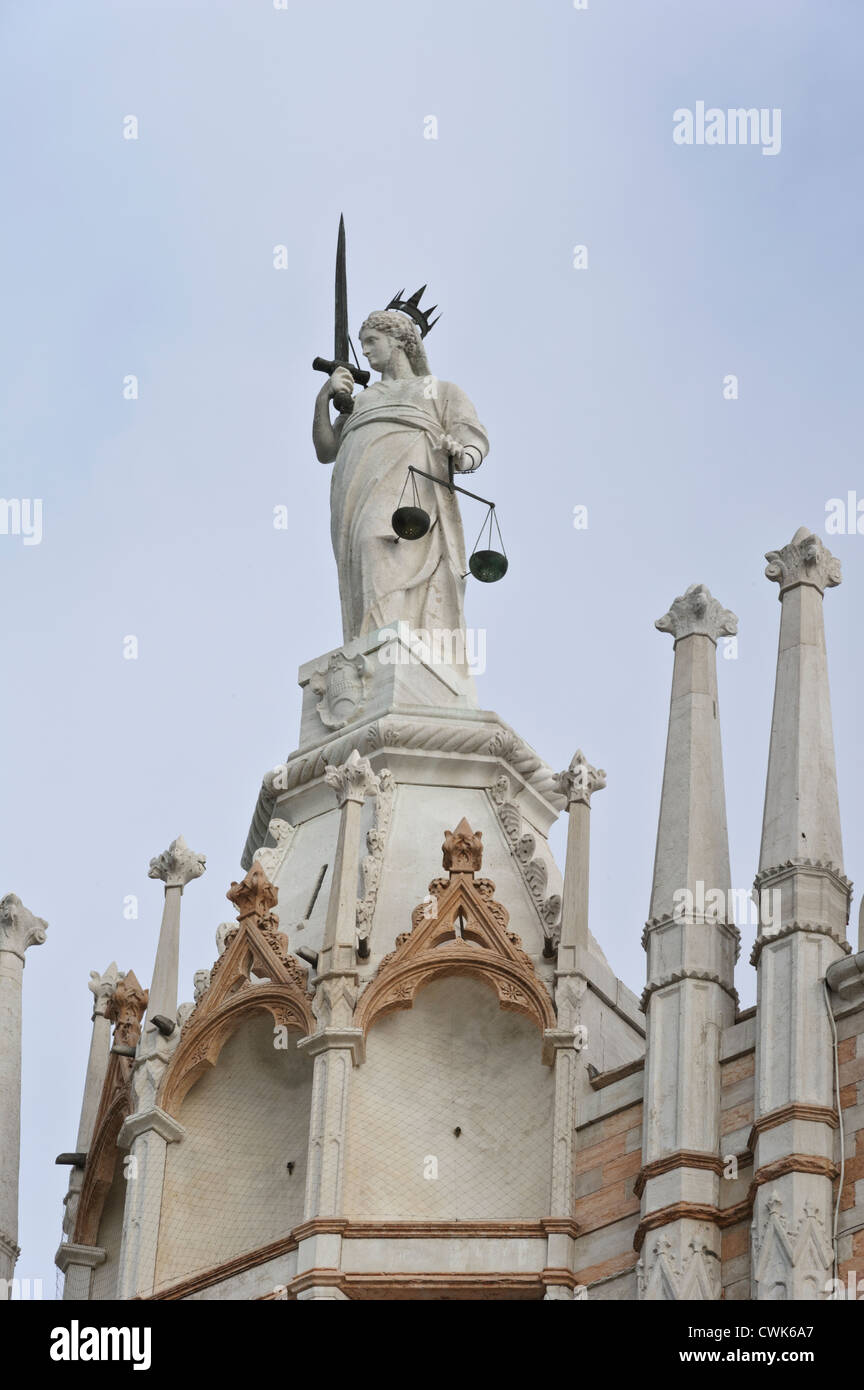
x=463 y=734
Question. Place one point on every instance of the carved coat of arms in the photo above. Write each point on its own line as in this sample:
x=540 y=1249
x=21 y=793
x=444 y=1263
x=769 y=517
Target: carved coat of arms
x=342 y=687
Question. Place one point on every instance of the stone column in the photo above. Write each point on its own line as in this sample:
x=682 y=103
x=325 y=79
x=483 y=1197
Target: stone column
x=18 y=930
x=78 y=1261
x=576 y=784
x=337 y=1046
x=148 y=1130
x=176 y=867
x=101 y=987
x=804 y=907
x=692 y=944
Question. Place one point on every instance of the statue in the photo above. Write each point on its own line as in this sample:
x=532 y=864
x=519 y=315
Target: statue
x=408 y=417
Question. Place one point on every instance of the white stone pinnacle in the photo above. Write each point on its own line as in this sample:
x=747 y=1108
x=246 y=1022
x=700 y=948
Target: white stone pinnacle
x=805 y=560
x=802 y=813
x=580 y=780
x=692 y=839
x=19 y=928
x=177 y=865
x=697 y=611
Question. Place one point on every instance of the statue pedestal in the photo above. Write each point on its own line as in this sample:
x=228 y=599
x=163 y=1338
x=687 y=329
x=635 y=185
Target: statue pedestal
x=390 y=668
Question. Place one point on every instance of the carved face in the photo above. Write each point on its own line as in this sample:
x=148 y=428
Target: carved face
x=377 y=348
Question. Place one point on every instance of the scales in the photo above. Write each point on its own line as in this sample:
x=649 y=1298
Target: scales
x=413 y=522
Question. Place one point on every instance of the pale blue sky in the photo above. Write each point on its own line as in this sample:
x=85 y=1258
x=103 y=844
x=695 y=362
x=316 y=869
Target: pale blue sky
x=601 y=387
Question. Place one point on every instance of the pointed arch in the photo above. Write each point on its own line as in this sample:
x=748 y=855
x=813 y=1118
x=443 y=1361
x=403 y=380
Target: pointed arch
x=459 y=930
x=254 y=972
x=103 y=1154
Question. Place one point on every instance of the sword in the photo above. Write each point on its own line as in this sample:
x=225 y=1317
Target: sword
x=341 y=399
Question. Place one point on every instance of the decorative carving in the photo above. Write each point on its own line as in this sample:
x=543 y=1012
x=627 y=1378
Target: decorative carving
x=462 y=849
x=115 y=1104
x=376 y=841
x=254 y=897
x=580 y=780
x=791 y=1262
x=430 y=735
x=253 y=947
x=353 y=781
x=19 y=928
x=102 y=987
x=660 y=1274
x=224 y=932
x=184 y=1013
x=466 y=935
x=177 y=865
x=342 y=685
x=272 y=857
x=805 y=560
x=522 y=846
x=500 y=790
x=125 y=1009
x=696 y=611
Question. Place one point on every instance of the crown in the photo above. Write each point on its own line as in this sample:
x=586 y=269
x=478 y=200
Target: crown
x=411 y=307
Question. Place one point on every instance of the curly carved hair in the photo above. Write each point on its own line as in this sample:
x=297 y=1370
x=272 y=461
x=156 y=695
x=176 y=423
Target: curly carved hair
x=403 y=333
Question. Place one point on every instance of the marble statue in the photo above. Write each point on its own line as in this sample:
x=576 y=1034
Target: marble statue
x=408 y=417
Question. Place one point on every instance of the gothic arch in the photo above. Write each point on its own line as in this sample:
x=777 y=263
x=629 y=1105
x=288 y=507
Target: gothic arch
x=459 y=930
x=103 y=1154
x=254 y=972
x=199 y=1047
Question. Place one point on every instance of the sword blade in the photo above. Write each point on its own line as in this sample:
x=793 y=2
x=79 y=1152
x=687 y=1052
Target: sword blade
x=340 y=337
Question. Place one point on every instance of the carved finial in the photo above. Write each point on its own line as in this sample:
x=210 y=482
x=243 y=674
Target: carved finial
x=18 y=926
x=177 y=865
x=224 y=931
x=102 y=987
x=463 y=849
x=580 y=780
x=254 y=897
x=126 y=1009
x=201 y=984
x=697 y=612
x=805 y=560
x=353 y=781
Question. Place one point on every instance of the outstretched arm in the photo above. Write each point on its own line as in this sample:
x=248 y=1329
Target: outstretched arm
x=325 y=434
x=464 y=438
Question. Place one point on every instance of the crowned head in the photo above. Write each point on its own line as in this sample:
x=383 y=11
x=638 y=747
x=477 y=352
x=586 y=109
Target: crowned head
x=386 y=332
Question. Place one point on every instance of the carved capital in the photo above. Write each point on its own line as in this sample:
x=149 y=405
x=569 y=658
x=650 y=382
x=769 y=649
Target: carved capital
x=353 y=781
x=580 y=780
x=805 y=560
x=125 y=1009
x=18 y=926
x=102 y=987
x=177 y=865
x=697 y=612
x=463 y=849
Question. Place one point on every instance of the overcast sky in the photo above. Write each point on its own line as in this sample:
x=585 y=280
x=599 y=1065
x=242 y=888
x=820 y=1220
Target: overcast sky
x=600 y=387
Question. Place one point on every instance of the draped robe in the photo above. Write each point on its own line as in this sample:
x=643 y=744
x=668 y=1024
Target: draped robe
x=383 y=579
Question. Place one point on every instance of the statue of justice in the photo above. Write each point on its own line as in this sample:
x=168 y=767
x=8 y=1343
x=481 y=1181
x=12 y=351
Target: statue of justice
x=408 y=424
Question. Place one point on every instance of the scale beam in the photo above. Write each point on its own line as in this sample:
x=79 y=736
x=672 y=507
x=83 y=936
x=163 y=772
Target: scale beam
x=451 y=486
